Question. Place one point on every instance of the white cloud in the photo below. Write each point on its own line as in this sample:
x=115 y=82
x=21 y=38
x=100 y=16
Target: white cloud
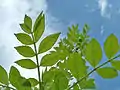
x=11 y=14
x=103 y=5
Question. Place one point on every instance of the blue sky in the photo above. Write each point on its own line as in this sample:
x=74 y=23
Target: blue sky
x=103 y=17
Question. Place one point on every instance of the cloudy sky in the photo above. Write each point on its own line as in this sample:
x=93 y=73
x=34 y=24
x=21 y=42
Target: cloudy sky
x=103 y=16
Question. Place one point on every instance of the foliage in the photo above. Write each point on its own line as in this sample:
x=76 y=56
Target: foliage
x=67 y=66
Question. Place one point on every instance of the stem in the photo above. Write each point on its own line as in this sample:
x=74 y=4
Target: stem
x=93 y=71
x=37 y=60
x=7 y=86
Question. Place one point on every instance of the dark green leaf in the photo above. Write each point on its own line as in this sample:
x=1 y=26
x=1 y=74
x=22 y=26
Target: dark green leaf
x=111 y=46
x=28 y=21
x=39 y=27
x=3 y=76
x=76 y=65
x=33 y=81
x=107 y=72
x=24 y=38
x=25 y=28
x=93 y=52
x=48 y=42
x=116 y=64
x=25 y=51
x=26 y=63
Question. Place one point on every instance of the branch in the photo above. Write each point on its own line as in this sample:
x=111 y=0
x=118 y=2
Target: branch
x=37 y=60
x=93 y=71
x=7 y=86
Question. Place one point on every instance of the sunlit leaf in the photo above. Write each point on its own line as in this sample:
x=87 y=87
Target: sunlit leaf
x=39 y=27
x=26 y=63
x=107 y=72
x=111 y=46
x=48 y=42
x=3 y=76
x=25 y=51
x=24 y=38
x=93 y=52
x=76 y=65
x=116 y=64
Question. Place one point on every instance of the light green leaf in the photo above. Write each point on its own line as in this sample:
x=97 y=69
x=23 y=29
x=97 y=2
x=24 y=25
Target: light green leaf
x=28 y=21
x=33 y=81
x=107 y=72
x=3 y=76
x=39 y=27
x=26 y=63
x=116 y=64
x=25 y=51
x=48 y=42
x=111 y=46
x=49 y=59
x=93 y=52
x=24 y=38
x=76 y=65
x=25 y=28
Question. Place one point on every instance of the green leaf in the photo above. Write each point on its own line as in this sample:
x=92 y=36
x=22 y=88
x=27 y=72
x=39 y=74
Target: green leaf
x=49 y=59
x=25 y=28
x=39 y=27
x=87 y=84
x=116 y=64
x=93 y=52
x=3 y=76
x=48 y=42
x=76 y=65
x=107 y=72
x=33 y=81
x=111 y=46
x=25 y=51
x=28 y=21
x=76 y=87
x=13 y=76
x=26 y=63
x=24 y=38
x=17 y=80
